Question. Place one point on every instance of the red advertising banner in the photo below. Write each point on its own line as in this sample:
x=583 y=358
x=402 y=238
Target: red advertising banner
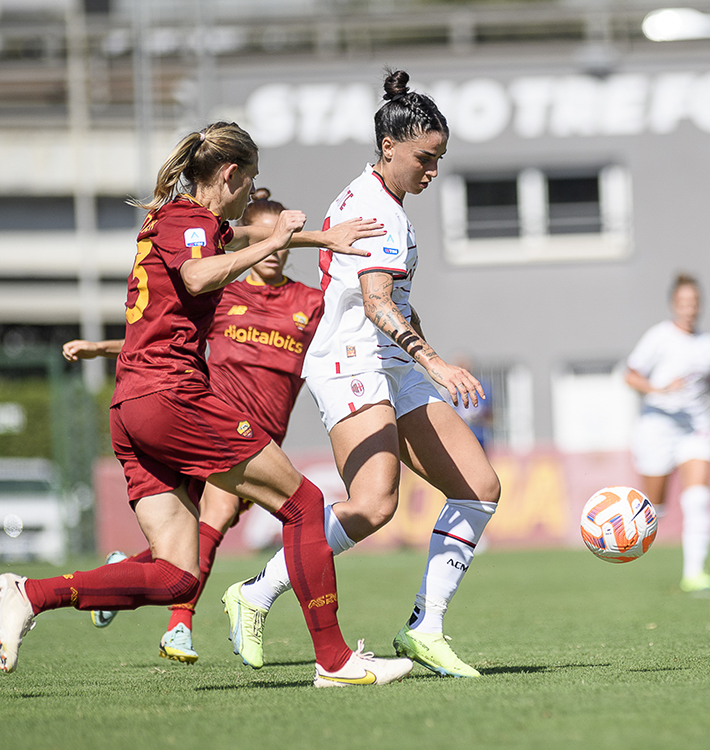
x=543 y=493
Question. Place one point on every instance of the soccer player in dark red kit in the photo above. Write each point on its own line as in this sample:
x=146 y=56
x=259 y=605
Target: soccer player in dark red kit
x=171 y=433
x=261 y=331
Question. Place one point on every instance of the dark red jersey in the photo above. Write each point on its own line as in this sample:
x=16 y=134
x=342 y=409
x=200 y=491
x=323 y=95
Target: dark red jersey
x=166 y=327
x=257 y=345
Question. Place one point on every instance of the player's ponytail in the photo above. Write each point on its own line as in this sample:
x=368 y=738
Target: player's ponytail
x=197 y=158
x=405 y=114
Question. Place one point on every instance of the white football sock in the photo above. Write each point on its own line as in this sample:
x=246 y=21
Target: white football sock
x=695 y=504
x=453 y=541
x=263 y=590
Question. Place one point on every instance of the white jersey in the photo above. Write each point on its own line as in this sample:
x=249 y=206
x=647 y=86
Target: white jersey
x=666 y=353
x=346 y=341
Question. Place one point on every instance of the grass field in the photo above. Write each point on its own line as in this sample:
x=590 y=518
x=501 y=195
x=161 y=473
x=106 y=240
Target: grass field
x=574 y=653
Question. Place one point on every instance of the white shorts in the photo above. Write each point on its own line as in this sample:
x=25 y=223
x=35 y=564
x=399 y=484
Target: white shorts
x=405 y=387
x=661 y=443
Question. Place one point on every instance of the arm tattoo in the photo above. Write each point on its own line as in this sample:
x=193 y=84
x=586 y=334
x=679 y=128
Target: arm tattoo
x=381 y=310
x=409 y=341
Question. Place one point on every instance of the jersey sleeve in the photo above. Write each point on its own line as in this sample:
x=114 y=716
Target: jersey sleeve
x=645 y=354
x=187 y=237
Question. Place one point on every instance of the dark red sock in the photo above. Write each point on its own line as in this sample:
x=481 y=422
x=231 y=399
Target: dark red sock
x=125 y=585
x=309 y=561
x=210 y=539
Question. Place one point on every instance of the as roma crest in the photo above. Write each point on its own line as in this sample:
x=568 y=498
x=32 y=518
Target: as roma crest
x=300 y=320
x=244 y=429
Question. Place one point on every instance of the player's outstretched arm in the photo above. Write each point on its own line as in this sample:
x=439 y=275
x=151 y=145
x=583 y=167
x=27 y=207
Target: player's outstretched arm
x=201 y=275
x=81 y=349
x=339 y=239
x=381 y=310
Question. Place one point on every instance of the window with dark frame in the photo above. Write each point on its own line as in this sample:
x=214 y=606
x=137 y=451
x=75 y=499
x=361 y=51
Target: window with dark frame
x=569 y=203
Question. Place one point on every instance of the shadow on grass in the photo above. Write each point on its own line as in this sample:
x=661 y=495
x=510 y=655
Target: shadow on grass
x=658 y=669
x=25 y=695
x=531 y=669
x=255 y=686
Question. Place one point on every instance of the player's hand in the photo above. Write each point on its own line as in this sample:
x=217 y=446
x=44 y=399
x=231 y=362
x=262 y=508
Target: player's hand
x=458 y=382
x=287 y=223
x=79 y=349
x=341 y=237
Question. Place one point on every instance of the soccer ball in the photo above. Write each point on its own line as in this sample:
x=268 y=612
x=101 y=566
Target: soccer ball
x=618 y=524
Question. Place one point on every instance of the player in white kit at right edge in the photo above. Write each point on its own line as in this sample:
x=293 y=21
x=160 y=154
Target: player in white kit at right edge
x=378 y=409
x=670 y=368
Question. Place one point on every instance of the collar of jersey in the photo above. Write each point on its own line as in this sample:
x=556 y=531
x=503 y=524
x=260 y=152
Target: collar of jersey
x=253 y=282
x=381 y=179
x=194 y=200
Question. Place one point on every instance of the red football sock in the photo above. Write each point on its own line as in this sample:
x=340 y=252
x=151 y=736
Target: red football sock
x=309 y=561
x=181 y=613
x=125 y=585
x=210 y=539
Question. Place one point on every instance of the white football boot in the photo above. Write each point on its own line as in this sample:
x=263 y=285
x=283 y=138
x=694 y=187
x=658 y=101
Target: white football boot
x=16 y=619
x=363 y=668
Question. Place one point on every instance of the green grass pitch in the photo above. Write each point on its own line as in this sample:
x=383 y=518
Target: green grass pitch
x=574 y=653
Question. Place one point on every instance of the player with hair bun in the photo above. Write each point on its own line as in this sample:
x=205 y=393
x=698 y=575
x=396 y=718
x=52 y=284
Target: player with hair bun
x=378 y=409
x=670 y=368
x=172 y=433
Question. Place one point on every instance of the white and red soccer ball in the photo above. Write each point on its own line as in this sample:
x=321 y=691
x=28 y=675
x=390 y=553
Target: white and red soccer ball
x=618 y=524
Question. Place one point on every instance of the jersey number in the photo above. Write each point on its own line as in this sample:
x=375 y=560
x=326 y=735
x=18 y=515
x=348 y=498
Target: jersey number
x=141 y=276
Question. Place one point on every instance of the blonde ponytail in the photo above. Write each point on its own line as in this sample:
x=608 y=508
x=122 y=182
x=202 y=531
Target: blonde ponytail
x=196 y=160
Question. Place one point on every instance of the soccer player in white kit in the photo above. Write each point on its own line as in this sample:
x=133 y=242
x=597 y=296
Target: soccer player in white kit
x=378 y=409
x=670 y=367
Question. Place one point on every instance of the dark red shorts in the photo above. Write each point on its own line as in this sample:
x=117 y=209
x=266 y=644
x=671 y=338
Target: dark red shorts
x=166 y=438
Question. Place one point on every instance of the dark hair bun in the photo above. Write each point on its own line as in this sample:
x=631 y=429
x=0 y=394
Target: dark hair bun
x=396 y=84
x=261 y=194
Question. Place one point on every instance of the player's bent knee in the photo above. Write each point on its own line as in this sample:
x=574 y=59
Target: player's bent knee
x=485 y=491
x=491 y=493
x=380 y=515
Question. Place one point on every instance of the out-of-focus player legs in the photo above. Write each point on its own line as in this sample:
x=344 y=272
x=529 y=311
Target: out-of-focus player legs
x=655 y=490
x=695 y=505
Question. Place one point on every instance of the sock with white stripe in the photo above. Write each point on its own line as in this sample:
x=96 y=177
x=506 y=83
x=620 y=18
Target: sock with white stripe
x=695 y=504
x=453 y=541
x=263 y=590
